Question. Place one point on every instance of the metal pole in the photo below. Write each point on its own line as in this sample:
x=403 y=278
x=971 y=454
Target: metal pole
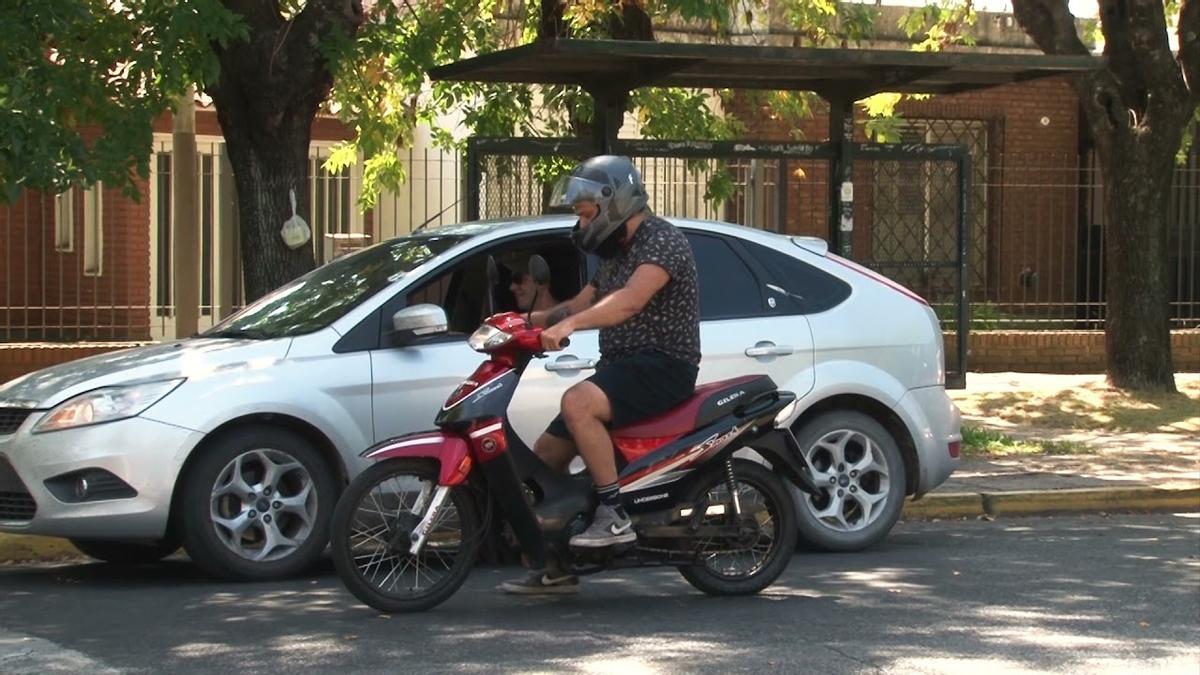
x=964 y=246
x=607 y=116
x=841 y=175
x=472 y=180
x=185 y=243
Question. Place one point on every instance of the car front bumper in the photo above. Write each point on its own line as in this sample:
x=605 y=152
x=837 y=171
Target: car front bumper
x=144 y=454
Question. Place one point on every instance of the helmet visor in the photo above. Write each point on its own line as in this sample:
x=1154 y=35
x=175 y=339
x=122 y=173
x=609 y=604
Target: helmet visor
x=570 y=190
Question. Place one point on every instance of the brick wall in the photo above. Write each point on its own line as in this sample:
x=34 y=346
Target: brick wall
x=41 y=288
x=19 y=359
x=44 y=287
x=1059 y=351
x=1031 y=178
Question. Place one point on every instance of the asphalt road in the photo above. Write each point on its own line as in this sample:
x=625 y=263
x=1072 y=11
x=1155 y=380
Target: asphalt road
x=1070 y=595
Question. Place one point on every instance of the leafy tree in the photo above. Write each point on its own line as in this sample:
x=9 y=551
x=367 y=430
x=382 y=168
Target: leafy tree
x=81 y=81
x=1136 y=107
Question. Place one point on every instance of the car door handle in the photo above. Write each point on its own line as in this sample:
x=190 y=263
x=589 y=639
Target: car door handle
x=570 y=363
x=769 y=349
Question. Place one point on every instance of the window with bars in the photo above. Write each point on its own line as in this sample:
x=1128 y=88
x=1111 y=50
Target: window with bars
x=93 y=231
x=64 y=221
x=915 y=214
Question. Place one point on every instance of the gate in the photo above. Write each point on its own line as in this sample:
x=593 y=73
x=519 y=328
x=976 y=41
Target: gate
x=915 y=232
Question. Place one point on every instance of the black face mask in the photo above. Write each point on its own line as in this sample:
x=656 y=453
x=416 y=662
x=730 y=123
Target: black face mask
x=609 y=248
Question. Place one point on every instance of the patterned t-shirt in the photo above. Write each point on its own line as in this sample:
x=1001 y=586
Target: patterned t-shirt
x=670 y=321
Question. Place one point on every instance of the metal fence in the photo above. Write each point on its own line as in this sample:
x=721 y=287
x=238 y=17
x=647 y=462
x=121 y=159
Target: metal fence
x=93 y=265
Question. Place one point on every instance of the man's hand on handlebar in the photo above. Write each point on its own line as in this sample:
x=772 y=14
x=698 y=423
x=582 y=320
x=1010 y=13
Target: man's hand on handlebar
x=555 y=337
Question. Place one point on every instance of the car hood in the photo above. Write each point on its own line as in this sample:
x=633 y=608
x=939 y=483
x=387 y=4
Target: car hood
x=191 y=358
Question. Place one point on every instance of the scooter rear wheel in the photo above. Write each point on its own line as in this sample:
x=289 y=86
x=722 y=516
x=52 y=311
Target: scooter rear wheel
x=370 y=538
x=769 y=518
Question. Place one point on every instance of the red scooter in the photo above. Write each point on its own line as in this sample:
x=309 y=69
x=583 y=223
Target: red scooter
x=407 y=530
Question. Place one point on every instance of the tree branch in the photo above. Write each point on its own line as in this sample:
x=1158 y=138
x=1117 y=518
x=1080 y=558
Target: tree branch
x=1189 y=45
x=1050 y=24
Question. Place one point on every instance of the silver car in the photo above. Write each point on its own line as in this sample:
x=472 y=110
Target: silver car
x=236 y=443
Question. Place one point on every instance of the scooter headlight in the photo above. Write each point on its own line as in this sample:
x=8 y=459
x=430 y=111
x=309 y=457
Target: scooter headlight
x=488 y=338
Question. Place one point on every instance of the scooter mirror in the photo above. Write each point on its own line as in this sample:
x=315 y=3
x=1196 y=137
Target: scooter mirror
x=539 y=270
x=493 y=271
x=493 y=278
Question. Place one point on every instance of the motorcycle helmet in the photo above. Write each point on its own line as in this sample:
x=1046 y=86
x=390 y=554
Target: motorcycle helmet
x=615 y=185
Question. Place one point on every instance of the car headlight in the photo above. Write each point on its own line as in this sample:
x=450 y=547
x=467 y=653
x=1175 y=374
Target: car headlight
x=487 y=338
x=106 y=404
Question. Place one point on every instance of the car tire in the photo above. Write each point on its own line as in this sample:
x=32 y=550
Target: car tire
x=256 y=504
x=857 y=464
x=126 y=552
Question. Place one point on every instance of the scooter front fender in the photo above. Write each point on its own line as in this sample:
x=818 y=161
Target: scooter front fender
x=451 y=452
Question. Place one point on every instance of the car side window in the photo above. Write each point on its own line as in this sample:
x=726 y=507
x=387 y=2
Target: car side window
x=728 y=288
x=811 y=289
x=461 y=288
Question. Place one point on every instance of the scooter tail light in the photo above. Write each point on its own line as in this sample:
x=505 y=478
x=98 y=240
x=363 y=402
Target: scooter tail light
x=636 y=448
x=955 y=448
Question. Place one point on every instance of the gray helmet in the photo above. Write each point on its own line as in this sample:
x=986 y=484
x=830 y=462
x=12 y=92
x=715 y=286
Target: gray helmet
x=614 y=184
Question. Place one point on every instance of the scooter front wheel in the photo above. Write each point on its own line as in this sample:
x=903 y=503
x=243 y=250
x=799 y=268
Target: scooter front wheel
x=372 y=535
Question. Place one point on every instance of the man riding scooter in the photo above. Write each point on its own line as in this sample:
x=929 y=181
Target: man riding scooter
x=644 y=298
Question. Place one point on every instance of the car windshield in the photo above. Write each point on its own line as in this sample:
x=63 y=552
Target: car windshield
x=322 y=296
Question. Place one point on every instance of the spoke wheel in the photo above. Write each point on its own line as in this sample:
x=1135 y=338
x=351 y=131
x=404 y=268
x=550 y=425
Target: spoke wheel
x=371 y=536
x=752 y=560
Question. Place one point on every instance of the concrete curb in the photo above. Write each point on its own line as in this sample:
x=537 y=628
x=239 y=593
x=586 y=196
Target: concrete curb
x=1047 y=502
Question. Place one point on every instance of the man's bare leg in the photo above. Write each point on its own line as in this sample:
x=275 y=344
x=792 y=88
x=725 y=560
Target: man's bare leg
x=556 y=452
x=585 y=410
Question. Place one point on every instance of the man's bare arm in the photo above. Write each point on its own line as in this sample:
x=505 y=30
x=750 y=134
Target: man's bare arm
x=580 y=302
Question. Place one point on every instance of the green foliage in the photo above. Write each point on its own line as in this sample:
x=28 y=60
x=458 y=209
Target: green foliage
x=826 y=22
x=82 y=81
x=944 y=24
x=984 y=316
x=985 y=442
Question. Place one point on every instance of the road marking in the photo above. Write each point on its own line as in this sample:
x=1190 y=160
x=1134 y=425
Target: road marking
x=24 y=655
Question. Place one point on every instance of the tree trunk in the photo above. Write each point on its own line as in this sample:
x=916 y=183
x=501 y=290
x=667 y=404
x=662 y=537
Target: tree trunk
x=1136 y=106
x=1137 y=182
x=265 y=169
x=270 y=87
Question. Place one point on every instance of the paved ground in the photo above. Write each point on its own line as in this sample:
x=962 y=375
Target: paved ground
x=1070 y=595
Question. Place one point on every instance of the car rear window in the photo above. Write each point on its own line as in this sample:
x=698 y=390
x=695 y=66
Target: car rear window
x=818 y=291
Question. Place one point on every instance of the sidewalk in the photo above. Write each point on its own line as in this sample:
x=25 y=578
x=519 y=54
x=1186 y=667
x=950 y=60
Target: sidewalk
x=1120 y=471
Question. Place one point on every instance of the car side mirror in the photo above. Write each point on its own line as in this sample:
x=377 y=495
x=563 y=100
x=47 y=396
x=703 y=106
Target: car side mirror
x=418 y=321
x=539 y=271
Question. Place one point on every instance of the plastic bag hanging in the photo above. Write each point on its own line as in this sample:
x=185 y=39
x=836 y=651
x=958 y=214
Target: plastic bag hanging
x=295 y=231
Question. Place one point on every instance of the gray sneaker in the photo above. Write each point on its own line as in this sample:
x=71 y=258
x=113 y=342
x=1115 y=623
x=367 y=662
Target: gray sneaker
x=607 y=528
x=543 y=582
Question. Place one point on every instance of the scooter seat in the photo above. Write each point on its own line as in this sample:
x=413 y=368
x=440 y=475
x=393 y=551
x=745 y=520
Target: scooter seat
x=709 y=402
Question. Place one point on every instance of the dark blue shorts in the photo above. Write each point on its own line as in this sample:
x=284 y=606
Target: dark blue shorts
x=638 y=387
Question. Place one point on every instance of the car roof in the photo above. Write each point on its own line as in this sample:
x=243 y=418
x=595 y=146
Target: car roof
x=497 y=228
